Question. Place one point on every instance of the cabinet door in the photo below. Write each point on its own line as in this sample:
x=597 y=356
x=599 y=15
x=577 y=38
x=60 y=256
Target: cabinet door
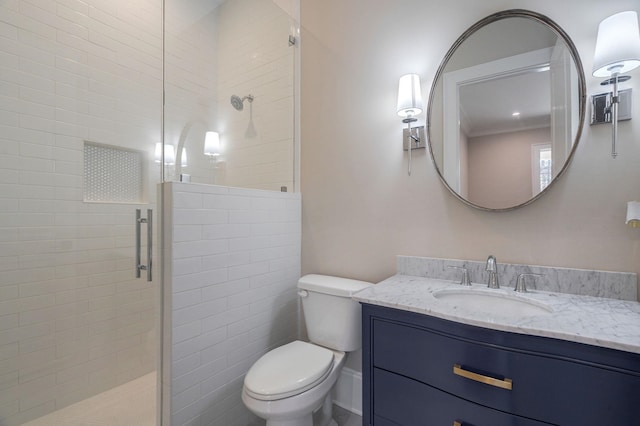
x=403 y=401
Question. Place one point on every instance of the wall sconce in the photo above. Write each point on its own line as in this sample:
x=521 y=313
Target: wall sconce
x=212 y=145
x=633 y=214
x=169 y=154
x=410 y=105
x=617 y=52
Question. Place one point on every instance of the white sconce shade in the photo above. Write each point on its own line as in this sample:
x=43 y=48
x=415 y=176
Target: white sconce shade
x=618 y=45
x=169 y=154
x=409 y=96
x=183 y=158
x=633 y=214
x=212 y=144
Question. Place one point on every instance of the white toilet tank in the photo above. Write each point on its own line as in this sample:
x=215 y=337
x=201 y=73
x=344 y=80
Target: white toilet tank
x=333 y=319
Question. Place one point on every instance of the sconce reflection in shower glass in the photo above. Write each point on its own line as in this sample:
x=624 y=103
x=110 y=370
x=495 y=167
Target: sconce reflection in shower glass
x=169 y=154
x=212 y=144
x=617 y=52
x=410 y=105
x=183 y=158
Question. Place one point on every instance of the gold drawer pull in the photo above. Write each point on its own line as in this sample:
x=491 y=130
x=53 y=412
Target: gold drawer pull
x=504 y=384
x=457 y=423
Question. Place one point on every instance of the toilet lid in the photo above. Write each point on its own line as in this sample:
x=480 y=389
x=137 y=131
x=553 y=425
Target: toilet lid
x=288 y=370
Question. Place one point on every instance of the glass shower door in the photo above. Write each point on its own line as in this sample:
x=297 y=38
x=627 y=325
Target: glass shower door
x=80 y=104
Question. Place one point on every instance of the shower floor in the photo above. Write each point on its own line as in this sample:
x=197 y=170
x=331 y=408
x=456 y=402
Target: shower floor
x=133 y=403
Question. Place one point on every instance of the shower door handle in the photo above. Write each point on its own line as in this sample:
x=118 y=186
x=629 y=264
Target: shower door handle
x=139 y=221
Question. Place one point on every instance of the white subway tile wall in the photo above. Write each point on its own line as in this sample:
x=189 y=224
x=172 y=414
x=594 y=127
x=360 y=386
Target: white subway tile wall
x=239 y=47
x=231 y=289
x=74 y=321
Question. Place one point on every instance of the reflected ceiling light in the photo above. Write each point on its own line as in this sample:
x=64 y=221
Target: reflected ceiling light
x=212 y=144
x=617 y=52
x=516 y=114
x=409 y=105
x=169 y=154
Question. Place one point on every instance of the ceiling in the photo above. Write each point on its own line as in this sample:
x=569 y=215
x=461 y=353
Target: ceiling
x=487 y=107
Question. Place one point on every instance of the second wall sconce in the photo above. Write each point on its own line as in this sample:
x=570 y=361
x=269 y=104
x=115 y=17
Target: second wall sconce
x=410 y=105
x=617 y=52
x=633 y=214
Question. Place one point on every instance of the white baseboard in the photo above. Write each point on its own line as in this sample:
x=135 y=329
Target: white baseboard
x=348 y=391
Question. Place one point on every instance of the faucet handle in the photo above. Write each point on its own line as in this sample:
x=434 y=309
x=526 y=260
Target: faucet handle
x=465 y=275
x=521 y=287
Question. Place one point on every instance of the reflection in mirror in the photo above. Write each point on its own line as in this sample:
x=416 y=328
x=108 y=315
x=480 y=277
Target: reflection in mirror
x=506 y=110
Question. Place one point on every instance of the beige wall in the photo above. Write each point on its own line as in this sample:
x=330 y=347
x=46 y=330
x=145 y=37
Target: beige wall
x=499 y=169
x=360 y=209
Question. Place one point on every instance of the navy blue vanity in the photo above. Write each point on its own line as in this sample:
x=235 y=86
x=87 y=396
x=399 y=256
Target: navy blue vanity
x=436 y=352
x=422 y=370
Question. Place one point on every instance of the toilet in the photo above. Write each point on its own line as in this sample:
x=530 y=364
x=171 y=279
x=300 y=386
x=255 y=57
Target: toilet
x=287 y=385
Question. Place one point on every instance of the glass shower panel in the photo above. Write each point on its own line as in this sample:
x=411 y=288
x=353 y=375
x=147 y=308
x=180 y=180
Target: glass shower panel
x=80 y=112
x=229 y=69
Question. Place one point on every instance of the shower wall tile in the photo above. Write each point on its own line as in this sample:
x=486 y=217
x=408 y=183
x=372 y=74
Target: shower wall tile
x=228 y=309
x=254 y=58
x=78 y=322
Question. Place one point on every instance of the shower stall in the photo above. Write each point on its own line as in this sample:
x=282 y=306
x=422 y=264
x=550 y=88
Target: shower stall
x=104 y=108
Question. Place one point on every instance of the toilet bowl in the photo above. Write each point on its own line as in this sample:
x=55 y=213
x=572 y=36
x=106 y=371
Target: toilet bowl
x=292 y=400
x=287 y=385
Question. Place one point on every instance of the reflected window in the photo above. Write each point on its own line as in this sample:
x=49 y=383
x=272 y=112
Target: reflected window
x=541 y=167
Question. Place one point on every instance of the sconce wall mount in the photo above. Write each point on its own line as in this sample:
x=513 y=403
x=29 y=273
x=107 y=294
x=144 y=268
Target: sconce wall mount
x=418 y=140
x=410 y=105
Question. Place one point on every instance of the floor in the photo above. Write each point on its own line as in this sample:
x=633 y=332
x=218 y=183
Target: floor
x=130 y=404
x=133 y=404
x=346 y=418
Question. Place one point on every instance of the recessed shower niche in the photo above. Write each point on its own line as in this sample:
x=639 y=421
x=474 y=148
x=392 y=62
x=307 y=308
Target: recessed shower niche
x=113 y=174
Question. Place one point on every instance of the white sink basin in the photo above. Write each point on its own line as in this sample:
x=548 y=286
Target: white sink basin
x=498 y=304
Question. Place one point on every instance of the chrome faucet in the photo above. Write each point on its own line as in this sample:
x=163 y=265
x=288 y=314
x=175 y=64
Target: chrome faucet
x=520 y=284
x=465 y=275
x=492 y=269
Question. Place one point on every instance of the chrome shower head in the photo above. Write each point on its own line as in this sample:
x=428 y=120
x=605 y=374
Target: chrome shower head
x=238 y=103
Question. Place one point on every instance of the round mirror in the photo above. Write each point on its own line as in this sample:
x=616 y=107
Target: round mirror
x=506 y=110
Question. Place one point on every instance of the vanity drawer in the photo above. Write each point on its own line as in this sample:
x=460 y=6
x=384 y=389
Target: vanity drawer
x=543 y=387
x=402 y=401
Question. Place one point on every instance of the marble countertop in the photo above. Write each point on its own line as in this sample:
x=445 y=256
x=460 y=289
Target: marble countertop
x=598 y=321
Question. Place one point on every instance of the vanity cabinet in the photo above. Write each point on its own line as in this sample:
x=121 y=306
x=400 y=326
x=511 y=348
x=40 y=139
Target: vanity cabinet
x=423 y=370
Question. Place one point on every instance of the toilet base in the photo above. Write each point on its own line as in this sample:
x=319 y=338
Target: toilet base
x=322 y=417
x=305 y=421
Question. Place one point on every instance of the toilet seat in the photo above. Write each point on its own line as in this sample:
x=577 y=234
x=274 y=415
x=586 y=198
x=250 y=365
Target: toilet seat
x=288 y=370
